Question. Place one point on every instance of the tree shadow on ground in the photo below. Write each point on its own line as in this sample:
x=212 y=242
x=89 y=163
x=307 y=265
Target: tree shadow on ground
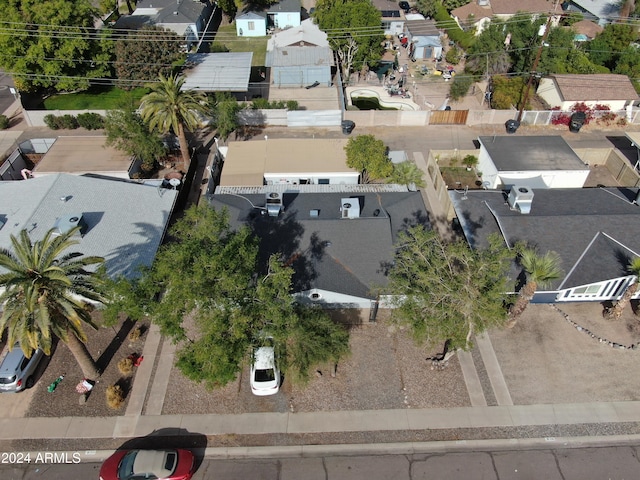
x=115 y=344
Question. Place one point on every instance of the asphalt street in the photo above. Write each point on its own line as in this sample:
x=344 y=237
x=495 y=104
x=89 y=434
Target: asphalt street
x=6 y=97
x=590 y=463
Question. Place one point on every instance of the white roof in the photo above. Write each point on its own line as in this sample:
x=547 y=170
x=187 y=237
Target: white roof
x=218 y=72
x=308 y=33
x=125 y=220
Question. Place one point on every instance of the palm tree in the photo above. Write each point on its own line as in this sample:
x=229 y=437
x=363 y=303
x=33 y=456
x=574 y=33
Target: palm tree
x=46 y=294
x=407 y=173
x=169 y=108
x=616 y=311
x=540 y=270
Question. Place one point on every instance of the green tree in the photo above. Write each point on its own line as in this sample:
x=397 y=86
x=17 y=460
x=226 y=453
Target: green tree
x=407 y=173
x=540 y=271
x=447 y=290
x=428 y=8
x=127 y=132
x=354 y=31
x=225 y=110
x=170 y=108
x=629 y=64
x=607 y=48
x=52 y=44
x=368 y=155
x=633 y=269
x=47 y=294
x=488 y=55
x=210 y=272
x=146 y=54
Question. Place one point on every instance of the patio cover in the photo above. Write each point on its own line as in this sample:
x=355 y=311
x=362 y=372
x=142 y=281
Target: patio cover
x=218 y=72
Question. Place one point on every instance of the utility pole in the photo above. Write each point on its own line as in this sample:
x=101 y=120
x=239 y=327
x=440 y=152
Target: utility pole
x=525 y=98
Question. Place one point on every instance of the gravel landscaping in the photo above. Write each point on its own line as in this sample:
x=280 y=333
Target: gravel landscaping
x=108 y=345
x=386 y=370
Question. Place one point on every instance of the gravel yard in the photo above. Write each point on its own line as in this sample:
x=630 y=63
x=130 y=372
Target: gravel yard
x=386 y=370
x=108 y=346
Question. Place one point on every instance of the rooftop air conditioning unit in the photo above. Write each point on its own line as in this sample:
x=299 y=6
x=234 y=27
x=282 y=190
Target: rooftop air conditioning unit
x=483 y=3
x=273 y=203
x=67 y=223
x=520 y=198
x=350 y=208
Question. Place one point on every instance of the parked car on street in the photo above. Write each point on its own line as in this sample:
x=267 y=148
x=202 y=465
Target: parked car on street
x=158 y=464
x=265 y=376
x=17 y=372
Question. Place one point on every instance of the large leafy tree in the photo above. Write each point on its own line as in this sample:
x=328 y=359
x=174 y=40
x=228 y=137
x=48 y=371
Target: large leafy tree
x=52 y=44
x=46 y=295
x=629 y=64
x=354 y=31
x=146 y=54
x=607 y=48
x=448 y=291
x=540 y=270
x=169 y=108
x=127 y=132
x=368 y=155
x=212 y=272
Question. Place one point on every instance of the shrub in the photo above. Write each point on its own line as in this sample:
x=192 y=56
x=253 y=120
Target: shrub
x=292 y=105
x=4 y=122
x=135 y=334
x=90 y=121
x=460 y=86
x=51 y=121
x=126 y=366
x=68 y=122
x=115 y=397
x=453 y=55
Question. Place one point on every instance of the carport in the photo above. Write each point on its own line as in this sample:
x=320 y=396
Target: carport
x=218 y=72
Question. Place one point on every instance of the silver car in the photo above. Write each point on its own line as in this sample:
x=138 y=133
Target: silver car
x=17 y=371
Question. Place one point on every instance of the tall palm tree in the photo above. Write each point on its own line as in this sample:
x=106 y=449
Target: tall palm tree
x=46 y=294
x=407 y=173
x=169 y=108
x=540 y=271
x=634 y=269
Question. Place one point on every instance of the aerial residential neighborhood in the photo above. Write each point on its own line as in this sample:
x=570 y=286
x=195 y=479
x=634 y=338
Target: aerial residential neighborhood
x=319 y=238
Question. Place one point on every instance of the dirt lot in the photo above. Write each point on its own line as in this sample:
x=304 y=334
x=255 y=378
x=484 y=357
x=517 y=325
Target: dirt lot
x=385 y=370
x=564 y=365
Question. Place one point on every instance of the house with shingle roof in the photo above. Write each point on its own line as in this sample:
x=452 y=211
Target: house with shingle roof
x=423 y=39
x=339 y=243
x=598 y=11
x=563 y=91
x=585 y=30
x=595 y=231
x=186 y=18
x=122 y=221
x=478 y=13
x=300 y=56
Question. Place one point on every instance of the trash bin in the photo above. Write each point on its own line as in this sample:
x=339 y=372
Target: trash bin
x=512 y=126
x=348 y=126
x=578 y=119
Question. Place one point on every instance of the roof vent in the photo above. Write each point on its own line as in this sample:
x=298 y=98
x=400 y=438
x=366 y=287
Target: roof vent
x=67 y=223
x=274 y=203
x=520 y=198
x=483 y=3
x=350 y=208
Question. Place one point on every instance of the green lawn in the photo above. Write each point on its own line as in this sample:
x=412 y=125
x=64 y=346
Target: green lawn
x=227 y=36
x=93 y=99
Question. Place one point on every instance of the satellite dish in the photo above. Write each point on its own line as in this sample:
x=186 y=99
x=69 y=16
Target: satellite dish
x=174 y=182
x=347 y=205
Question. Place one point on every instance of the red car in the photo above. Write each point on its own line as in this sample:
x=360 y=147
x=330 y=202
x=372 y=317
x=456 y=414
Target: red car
x=157 y=464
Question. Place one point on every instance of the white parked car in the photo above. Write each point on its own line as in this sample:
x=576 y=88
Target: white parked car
x=265 y=376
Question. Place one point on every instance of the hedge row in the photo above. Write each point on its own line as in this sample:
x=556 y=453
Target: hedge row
x=89 y=121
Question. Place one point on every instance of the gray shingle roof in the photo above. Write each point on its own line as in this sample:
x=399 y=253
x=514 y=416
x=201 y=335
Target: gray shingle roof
x=299 y=57
x=125 y=220
x=593 y=229
x=528 y=153
x=327 y=252
x=597 y=86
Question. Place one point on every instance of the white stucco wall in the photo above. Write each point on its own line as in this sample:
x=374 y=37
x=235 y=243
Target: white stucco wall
x=259 y=27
